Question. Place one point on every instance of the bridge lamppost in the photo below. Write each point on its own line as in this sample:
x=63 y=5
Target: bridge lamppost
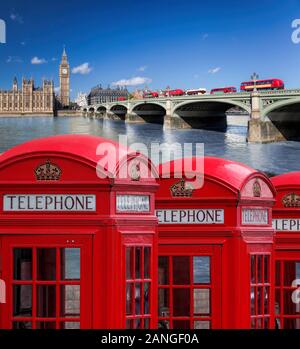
x=254 y=78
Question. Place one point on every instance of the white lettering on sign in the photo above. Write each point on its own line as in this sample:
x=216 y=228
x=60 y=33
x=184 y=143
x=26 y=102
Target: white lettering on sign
x=45 y=202
x=133 y=203
x=286 y=224
x=253 y=216
x=192 y=216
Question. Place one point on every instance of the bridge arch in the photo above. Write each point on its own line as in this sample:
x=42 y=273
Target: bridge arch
x=91 y=109
x=152 y=112
x=150 y=101
x=206 y=113
x=119 y=103
x=229 y=102
x=277 y=105
x=118 y=111
x=285 y=117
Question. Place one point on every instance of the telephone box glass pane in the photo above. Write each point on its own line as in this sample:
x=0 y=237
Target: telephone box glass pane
x=147 y=323
x=22 y=325
x=22 y=264
x=70 y=300
x=46 y=325
x=181 y=302
x=267 y=268
x=138 y=262
x=129 y=324
x=290 y=306
x=266 y=300
x=278 y=273
x=163 y=270
x=70 y=263
x=253 y=296
x=297 y=270
x=201 y=265
x=163 y=302
x=277 y=302
x=146 y=298
x=260 y=299
x=147 y=262
x=129 y=263
x=46 y=301
x=129 y=298
x=253 y=269
x=46 y=263
x=181 y=324
x=181 y=270
x=291 y=324
x=202 y=325
x=22 y=300
x=259 y=269
x=70 y=325
x=138 y=324
x=138 y=298
x=201 y=301
x=291 y=272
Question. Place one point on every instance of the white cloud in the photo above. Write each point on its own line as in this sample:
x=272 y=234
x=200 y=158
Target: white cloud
x=137 y=80
x=14 y=59
x=204 y=36
x=54 y=59
x=37 y=60
x=82 y=69
x=23 y=43
x=56 y=89
x=143 y=68
x=214 y=70
x=16 y=18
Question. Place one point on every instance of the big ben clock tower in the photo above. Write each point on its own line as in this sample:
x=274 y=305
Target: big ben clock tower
x=64 y=79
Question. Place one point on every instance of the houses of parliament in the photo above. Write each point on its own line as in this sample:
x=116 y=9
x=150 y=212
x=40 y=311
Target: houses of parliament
x=27 y=99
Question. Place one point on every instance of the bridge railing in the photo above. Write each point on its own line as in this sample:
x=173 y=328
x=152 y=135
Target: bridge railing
x=287 y=92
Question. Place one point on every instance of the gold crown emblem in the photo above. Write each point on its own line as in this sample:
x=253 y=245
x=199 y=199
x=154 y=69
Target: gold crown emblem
x=291 y=200
x=182 y=189
x=256 y=189
x=48 y=172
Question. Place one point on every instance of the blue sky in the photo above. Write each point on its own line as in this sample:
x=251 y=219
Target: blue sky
x=184 y=44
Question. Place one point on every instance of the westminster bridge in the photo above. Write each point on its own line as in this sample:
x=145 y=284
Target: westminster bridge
x=274 y=115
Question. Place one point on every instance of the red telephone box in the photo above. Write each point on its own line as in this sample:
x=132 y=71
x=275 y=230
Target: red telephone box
x=215 y=247
x=286 y=222
x=77 y=238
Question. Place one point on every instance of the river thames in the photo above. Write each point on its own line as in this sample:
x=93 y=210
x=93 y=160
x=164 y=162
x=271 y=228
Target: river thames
x=273 y=158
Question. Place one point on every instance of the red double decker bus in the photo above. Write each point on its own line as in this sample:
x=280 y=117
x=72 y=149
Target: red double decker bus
x=270 y=84
x=150 y=94
x=172 y=93
x=230 y=89
x=120 y=99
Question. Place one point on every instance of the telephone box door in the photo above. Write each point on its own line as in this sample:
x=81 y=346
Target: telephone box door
x=189 y=287
x=48 y=282
x=287 y=289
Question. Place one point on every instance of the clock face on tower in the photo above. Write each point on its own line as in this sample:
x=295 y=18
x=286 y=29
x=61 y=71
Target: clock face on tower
x=65 y=71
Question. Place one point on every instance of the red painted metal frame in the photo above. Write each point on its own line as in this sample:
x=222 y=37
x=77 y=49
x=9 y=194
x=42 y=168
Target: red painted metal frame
x=190 y=251
x=85 y=245
x=287 y=245
x=104 y=232
x=229 y=186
